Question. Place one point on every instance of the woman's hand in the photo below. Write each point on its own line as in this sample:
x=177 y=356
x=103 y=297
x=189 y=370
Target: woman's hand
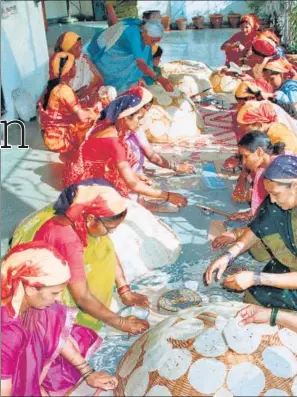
x=134 y=299
x=185 y=168
x=133 y=325
x=167 y=85
x=223 y=240
x=240 y=216
x=145 y=179
x=102 y=380
x=240 y=281
x=219 y=265
x=241 y=47
x=177 y=199
x=254 y=314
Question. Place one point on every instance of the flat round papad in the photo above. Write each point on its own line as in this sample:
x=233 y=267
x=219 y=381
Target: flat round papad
x=178 y=299
x=188 y=354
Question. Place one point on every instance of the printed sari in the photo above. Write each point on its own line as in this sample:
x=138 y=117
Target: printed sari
x=277 y=230
x=99 y=263
x=61 y=128
x=114 y=52
x=31 y=346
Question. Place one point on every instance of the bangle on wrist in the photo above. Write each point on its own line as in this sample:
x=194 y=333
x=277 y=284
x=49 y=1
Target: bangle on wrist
x=87 y=374
x=123 y=290
x=273 y=316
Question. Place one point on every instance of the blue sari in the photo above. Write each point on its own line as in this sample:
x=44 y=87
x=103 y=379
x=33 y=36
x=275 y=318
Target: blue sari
x=114 y=52
x=287 y=93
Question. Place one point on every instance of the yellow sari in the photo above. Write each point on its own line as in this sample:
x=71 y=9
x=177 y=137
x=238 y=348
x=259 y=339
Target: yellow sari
x=99 y=259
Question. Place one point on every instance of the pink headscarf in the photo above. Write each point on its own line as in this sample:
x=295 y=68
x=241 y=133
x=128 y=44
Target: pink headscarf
x=98 y=200
x=34 y=264
x=257 y=112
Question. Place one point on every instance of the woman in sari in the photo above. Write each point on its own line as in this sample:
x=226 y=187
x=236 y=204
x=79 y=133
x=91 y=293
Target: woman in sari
x=87 y=79
x=104 y=154
x=123 y=53
x=256 y=152
x=285 y=90
x=263 y=116
x=276 y=227
x=78 y=227
x=142 y=149
x=42 y=352
x=64 y=122
x=240 y=43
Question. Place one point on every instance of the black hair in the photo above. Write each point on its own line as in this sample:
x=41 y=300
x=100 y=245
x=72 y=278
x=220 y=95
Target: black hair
x=255 y=139
x=158 y=53
x=53 y=83
x=147 y=14
x=112 y=218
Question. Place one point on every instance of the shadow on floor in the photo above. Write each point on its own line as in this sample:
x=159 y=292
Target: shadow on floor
x=13 y=210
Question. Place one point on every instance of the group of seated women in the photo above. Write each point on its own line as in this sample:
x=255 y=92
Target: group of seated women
x=66 y=259
x=265 y=124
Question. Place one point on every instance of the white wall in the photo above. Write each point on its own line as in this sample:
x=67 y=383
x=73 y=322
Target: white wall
x=57 y=8
x=24 y=54
x=177 y=9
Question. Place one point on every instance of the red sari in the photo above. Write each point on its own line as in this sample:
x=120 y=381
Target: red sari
x=98 y=158
x=61 y=127
x=234 y=54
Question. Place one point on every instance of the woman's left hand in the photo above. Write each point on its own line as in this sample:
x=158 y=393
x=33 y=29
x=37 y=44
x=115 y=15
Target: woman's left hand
x=239 y=281
x=254 y=314
x=134 y=299
x=241 y=47
x=167 y=85
x=102 y=380
x=185 y=168
x=145 y=179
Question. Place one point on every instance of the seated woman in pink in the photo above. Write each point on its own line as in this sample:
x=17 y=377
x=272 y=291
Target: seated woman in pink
x=257 y=152
x=240 y=43
x=43 y=353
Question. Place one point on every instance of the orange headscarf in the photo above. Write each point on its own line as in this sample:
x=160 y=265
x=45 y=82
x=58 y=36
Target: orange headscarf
x=257 y=112
x=66 y=41
x=279 y=64
x=251 y=89
x=251 y=20
x=55 y=61
x=34 y=264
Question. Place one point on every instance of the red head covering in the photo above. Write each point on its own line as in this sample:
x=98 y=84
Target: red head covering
x=98 y=199
x=257 y=112
x=251 y=20
x=34 y=264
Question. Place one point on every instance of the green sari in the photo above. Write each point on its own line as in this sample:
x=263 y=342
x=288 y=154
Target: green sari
x=277 y=230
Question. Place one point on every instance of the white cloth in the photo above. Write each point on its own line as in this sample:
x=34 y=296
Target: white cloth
x=142 y=242
x=84 y=74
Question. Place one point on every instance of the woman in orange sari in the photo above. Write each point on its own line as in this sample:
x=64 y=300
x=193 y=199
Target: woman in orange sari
x=240 y=43
x=87 y=80
x=64 y=122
